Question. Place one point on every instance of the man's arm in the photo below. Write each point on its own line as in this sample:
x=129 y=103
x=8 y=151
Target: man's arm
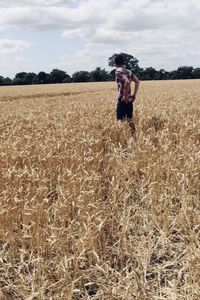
x=137 y=83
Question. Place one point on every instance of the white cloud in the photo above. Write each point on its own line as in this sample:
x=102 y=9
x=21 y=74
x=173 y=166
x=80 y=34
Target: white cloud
x=78 y=32
x=127 y=15
x=109 y=36
x=13 y=46
x=52 y=17
x=166 y=14
x=161 y=33
x=14 y=3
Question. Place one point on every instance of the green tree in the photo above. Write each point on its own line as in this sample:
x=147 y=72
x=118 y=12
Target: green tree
x=20 y=78
x=67 y=79
x=41 y=78
x=196 y=73
x=29 y=77
x=99 y=75
x=81 y=76
x=7 y=81
x=184 y=72
x=172 y=75
x=1 y=80
x=151 y=73
x=163 y=75
x=57 y=76
x=112 y=74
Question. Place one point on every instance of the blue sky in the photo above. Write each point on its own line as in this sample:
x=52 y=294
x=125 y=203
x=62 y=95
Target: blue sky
x=80 y=35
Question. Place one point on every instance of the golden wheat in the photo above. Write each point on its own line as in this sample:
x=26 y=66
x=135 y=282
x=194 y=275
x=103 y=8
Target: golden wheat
x=85 y=214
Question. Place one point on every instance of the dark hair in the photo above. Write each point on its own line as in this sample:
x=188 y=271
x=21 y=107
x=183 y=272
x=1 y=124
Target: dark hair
x=119 y=60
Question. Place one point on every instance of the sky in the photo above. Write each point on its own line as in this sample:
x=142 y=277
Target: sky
x=74 y=35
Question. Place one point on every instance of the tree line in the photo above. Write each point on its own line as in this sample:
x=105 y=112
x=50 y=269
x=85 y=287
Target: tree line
x=99 y=74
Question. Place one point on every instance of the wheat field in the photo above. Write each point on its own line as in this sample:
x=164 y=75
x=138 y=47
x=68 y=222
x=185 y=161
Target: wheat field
x=86 y=213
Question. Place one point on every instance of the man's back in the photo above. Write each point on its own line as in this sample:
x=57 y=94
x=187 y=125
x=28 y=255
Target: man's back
x=120 y=75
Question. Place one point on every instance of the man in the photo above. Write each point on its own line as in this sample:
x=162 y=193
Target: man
x=125 y=99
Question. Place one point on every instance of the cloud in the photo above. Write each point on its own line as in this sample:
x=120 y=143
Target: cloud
x=51 y=17
x=158 y=32
x=109 y=36
x=145 y=15
x=115 y=15
x=82 y=32
x=8 y=46
x=14 y=3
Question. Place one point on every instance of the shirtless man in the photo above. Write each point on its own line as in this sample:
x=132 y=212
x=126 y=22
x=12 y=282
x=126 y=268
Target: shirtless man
x=125 y=99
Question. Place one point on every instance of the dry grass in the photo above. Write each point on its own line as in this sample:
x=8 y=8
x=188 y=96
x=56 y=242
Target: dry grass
x=87 y=215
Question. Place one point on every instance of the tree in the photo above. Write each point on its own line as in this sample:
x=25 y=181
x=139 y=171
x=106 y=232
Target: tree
x=196 y=73
x=151 y=73
x=7 y=81
x=20 y=78
x=147 y=74
x=184 y=72
x=29 y=77
x=112 y=74
x=130 y=62
x=67 y=79
x=57 y=76
x=41 y=78
x=1 y=80
x=99 y=75
x=163 y=75
x=81 y=76
x=172 y=75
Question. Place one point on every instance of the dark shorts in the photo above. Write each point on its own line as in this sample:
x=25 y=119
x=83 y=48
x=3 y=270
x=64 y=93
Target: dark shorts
x=124 y=110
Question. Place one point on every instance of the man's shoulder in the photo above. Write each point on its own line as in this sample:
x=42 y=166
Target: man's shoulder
x=123 y=70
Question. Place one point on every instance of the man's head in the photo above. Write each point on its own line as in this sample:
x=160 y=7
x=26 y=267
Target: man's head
x=119 y=60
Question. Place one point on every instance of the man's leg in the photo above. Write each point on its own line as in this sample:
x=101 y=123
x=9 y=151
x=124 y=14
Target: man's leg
x=129 y=113
x=120 y=111
x=132 y=126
